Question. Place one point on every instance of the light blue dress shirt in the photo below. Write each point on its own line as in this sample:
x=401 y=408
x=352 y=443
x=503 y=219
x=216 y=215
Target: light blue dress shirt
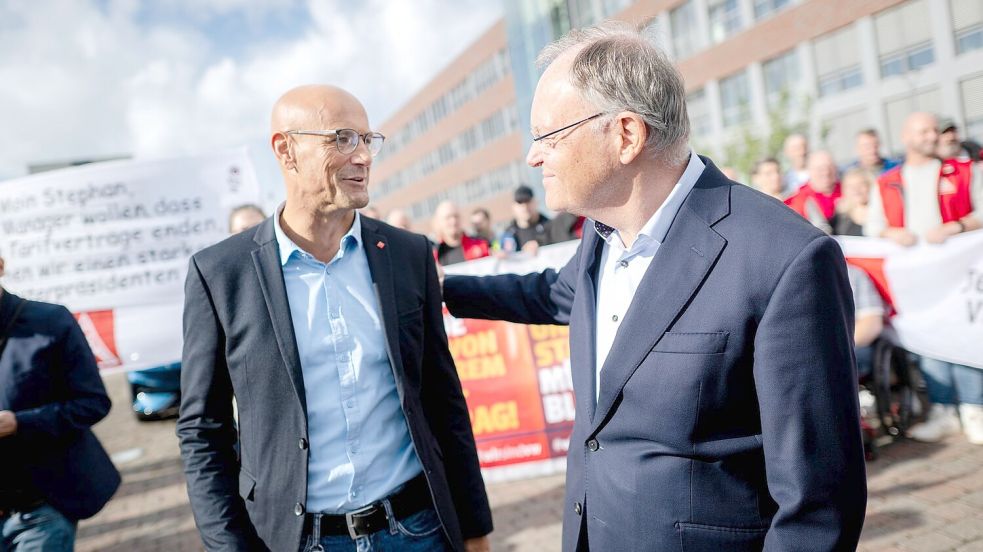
x=360 y=446
x=622 y=268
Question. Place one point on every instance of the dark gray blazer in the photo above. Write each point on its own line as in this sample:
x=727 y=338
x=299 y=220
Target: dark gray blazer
x=239 y=340
x=728 y=415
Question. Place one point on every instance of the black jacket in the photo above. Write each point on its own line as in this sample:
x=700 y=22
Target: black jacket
x=49 y=379
x=239 y=340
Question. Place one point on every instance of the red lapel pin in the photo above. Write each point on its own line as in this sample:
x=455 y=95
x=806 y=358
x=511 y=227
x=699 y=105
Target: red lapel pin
x=380 y=245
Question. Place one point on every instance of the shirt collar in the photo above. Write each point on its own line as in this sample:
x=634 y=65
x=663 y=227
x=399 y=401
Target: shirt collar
x=288 y=247
x=658 y=225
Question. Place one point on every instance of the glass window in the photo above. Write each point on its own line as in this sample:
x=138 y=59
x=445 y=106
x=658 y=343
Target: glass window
x=725 y=19
x=967 y=21
x=764 y=8
x=699 y=115
x=781 y=76
x=972 y=99
x=838 y=61
x=840 y=134
x=685 y=36
x=735 y=98
x=904 y=39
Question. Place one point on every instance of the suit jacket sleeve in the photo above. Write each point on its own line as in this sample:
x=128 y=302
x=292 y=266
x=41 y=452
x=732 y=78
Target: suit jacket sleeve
x=805 y=376
x=206 y=428
x=85 y=401
x=538 y=298
x=447 y=413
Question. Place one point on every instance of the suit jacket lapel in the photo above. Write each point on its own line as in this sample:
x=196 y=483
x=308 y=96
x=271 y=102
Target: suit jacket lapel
x=583 y=345
x=380 y=266
x=678 y=269
x=270 y=272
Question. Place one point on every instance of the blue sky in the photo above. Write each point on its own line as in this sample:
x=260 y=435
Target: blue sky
x=90 y=78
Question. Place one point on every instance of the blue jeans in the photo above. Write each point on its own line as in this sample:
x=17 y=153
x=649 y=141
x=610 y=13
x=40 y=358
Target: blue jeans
x=43 y=529
x=419 y=532
x=865 y=361
x=949 y=383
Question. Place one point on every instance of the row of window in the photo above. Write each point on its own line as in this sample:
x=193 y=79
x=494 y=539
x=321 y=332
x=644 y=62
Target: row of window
x=471 y=191
x=905 y=47
x=501 y=123
x=483 y=77
x=724 y=19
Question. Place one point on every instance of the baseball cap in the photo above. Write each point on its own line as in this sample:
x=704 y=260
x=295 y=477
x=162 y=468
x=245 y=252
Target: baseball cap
x=947 y=123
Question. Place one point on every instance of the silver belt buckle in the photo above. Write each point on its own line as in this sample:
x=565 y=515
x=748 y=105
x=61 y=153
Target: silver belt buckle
x=350 y=518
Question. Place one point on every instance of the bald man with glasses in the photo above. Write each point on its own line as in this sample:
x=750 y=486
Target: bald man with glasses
x=353 y=430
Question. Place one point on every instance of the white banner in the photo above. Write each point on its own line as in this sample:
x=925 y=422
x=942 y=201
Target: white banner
x=111 y=241
x=937 y=290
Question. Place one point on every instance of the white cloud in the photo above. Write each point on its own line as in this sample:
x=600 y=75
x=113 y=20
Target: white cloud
x=84 y=79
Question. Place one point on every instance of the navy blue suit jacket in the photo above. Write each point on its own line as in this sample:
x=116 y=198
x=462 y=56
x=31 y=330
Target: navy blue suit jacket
x=239 y=340
x=727 y=417
x=49 y=379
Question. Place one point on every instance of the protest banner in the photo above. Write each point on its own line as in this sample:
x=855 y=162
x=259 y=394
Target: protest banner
x=111 y=241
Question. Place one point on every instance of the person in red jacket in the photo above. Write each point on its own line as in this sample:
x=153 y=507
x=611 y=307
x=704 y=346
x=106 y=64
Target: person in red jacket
x=925 y=198
x=932 y=200
x=453 y=245
x=816 y=199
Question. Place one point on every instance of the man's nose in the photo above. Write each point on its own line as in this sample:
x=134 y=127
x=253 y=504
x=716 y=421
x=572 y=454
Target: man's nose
x=534 y=157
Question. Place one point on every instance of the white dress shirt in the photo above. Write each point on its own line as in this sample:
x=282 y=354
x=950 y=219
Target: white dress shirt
x=622 y=268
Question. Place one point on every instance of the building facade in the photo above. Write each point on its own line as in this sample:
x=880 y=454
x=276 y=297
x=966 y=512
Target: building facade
x=841 y=65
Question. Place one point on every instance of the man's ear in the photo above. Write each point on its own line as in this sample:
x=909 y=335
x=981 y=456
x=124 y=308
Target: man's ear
x=282 y=150
x=1 y=267
x=632 y=134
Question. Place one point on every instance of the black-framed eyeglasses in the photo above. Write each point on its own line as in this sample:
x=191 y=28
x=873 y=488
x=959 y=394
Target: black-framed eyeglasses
x=346 y=139
x=559 y=130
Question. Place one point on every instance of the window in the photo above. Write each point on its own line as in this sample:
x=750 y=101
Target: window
x=699 y=115
x=781 y=77
x=685 y=35
x=734 y=99
x=972 y=96
x=725 y=19
x=841 y=134
x=838 y=61
x=904 y=38
x=898 y=109
x=967 y=21
x=764 y=8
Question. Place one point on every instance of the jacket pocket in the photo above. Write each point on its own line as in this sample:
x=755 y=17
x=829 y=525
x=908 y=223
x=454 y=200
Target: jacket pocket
x=692 y=343
x=697 y=537
x=247 y=485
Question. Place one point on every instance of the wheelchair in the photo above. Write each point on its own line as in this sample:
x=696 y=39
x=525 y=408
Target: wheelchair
x=893 y=382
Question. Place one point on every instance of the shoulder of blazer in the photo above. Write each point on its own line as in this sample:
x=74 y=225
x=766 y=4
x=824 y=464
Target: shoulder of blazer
x=400 y=241
x=236 y=248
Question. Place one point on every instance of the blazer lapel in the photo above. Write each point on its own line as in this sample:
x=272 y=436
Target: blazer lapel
x=678 y=269
x=583 y=345
x=380 y=266
x=270 y=272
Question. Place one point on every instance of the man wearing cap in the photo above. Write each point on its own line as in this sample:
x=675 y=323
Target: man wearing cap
x=530 y=228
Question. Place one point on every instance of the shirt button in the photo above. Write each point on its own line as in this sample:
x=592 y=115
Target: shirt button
x=592 y=445
x=624 y=264
x=578 y=508
x=614 y=318
x=354 y=494
x=350 y=403
x=302 y=444
x=298 y=509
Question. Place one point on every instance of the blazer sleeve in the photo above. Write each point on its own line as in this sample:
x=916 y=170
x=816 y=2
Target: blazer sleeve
x=447 y=414
x=85 y=400
x=537 y=298
x=806 y=379
x=205 y=426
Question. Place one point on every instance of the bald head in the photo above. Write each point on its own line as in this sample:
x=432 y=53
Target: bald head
x=822 y=171
x=796 y=149
x=447 y=222
x=313 y=107
x=920 y=136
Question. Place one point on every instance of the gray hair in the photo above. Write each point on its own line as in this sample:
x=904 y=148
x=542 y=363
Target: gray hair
x=620 y=68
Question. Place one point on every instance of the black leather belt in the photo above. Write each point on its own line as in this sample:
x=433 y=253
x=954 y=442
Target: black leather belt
x=413 y=497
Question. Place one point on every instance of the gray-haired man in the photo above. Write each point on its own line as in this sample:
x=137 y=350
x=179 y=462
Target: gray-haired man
x=710 y=326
